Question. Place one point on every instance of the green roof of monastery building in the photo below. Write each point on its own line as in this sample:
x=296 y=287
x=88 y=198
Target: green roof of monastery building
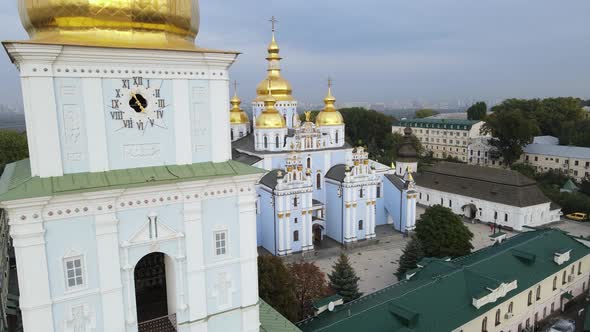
x=439 y=296
x=17 y=182
x=454 y=124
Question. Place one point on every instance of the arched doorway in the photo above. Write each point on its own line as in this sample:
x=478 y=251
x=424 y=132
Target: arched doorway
x=317 y=234
x=155 y=297
x=469 y=211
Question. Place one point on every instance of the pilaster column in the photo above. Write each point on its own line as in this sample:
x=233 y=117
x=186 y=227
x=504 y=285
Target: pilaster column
x=353 y=221
x=279 y=200
x=195 y=261
x=287 y=226
x=218 y=103
x=347 y=207
x=248 y=248
x=109 y=269
x=28 y=237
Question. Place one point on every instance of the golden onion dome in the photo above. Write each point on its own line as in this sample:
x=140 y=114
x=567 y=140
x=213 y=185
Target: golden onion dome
x=236 y=114
x=160 y=24
x=280 y=88
x=270 y=117
x=329 y=116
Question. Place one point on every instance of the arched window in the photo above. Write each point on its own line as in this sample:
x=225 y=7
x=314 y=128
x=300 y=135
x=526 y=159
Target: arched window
x=277 y=141
x=295 y=236
x=555 y=283
x=530 y=299
x=441 y=201
x=579 y=268
x=510 y=307
x=505 y=216
x=484 y=325
x=308 y=162
x=495 y=214
x=538 y=292
x=573 y=269
x=318 y=179
x=337 y=138
x=231 y=132
x=379 y=192
x=360 y=225
x=497 y=317
x=563 y=277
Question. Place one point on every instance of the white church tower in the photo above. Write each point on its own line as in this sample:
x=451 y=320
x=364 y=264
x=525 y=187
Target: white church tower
x=130 y=214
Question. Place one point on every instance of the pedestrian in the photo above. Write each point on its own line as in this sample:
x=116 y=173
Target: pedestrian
x=491 y=228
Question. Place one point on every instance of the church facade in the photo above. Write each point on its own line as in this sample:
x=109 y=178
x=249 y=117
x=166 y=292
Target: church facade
x=130 y=214
x=317 y=185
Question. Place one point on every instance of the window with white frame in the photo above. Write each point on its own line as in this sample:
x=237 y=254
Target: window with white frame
x=220 y=243
x=74 y=272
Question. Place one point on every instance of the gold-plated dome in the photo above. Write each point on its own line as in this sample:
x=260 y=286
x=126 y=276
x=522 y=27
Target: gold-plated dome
x=236 y=114
x=270 y=117
x=330 y=115
x=280 y=89
x=161 y=24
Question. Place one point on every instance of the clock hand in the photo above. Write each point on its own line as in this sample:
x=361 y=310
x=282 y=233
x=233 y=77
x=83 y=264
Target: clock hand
x=137 y=102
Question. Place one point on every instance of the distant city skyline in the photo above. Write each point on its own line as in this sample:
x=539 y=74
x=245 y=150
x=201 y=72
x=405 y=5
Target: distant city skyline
x=396 y=53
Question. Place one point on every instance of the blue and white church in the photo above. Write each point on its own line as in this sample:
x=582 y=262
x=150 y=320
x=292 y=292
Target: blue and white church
x=130 y=214
x=316 y=185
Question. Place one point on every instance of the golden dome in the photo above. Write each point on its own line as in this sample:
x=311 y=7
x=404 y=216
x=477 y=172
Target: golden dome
x=161 y=24
x=280 y=88
x=330 y=115
x=236 y=114
x=270 y=117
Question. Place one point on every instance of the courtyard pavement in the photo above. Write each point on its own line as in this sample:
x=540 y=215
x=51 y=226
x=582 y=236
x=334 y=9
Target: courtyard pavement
x=376 y=263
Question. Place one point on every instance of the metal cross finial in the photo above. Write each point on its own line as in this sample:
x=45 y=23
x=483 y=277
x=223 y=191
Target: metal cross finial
x=236 y=87
x=273 y=21
x=330 y=81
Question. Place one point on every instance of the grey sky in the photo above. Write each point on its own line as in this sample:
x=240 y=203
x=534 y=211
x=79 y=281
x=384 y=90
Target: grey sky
x=390 y=50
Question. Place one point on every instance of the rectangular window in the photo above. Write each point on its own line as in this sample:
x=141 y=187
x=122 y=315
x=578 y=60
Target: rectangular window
x=74 y=272
x=220 y=243
x=378 y=191
x=576 y=163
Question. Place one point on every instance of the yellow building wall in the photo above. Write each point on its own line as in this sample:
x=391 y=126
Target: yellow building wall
x=522 y=311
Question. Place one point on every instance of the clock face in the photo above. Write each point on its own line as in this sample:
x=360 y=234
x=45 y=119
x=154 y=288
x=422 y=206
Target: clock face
x=137 y=104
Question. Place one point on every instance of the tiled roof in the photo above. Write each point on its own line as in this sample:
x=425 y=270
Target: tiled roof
x=17 y=182
x=439 y=296
x=491 y=184
x=455 y=124
x=272 y=321
x=563 y=151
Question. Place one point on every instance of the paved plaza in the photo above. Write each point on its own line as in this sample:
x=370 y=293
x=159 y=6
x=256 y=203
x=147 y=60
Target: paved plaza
x=376 y=263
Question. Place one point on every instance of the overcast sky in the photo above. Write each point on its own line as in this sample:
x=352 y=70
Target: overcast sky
x=386 y=50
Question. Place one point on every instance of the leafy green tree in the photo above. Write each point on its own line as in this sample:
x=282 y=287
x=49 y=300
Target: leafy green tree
x=442 y=233
x=424 y=113
x=512 y=131
x=524 y=169
x=585 y=186
x=477 y=111
x=343 y=279
x=13 y=147
x=411 y=255
x=310 y=284
x=276 y=287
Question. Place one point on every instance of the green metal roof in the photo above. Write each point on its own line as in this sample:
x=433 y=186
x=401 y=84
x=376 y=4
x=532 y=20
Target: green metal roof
x=455 y=124
x=326 y=300
x=439 y=296
x=570 y=185
x=272 y=321
x=17 y=182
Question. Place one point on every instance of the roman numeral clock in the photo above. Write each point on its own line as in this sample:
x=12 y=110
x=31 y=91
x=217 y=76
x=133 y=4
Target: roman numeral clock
x=139 y=121
x=138 y=104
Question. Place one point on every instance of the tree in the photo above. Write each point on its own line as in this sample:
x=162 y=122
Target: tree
x=343 y=279
x=585 y=186
x=276 y=287
x=310 y=284
x=411 y=255
x=13 y=147
x=524 y=169
x=442 y=233
x=477 y=111
x=512 y=131
x=424 y=113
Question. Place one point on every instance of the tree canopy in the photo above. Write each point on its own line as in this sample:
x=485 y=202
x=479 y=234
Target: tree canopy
x=310 y=284
x=424 y=113
x=13 y=147
x=442 y=233
x=477 y=111
x=512 y=131
x=411 y=255
x=343 y=279
x=276 y=287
